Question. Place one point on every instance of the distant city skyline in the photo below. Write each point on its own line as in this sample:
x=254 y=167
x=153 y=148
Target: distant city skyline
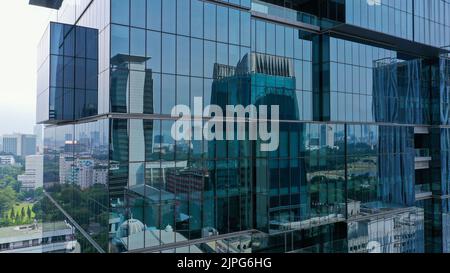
x=18 y=69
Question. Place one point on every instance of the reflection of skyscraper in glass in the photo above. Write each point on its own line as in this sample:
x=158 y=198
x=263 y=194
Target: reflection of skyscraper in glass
x=398 y=99
x=259 y=79
x=132 y=88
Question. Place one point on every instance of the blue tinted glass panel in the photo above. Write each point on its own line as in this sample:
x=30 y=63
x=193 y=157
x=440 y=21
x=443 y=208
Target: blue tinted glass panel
x=91 y=43
x=80 y=98
x=154 y=14
x=210 y=58
x=120 y=40
x=69 y=72
x=234 y=20
x=80 y=73
x=168 y=94
x=210 y=21
x=56 y=71
x=196 y=57
x=57 y=39
x=183 y=17
x=222 y=24
x=168 y=53
x=183 y=55
x=183 y=87
x=120 y=11
x=197 y=18
x=137 y=42
x=156 y=93
x=80 y=43
x=90 y=106
x=138 y=13
x=245 y=28
x=154 y=51
x=68 y=106
x=119 y=91
x=169 y=16
x=91 y=74
x=69 y=41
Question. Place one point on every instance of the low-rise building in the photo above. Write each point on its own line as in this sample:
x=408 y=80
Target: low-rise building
x=7 y=160
x=57 y=237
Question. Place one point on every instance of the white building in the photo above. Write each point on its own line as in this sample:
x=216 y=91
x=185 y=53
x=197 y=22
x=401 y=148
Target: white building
x=7 y=160
x=100 y=174
x=83 y=171
x=55 y=237
x=33 y=177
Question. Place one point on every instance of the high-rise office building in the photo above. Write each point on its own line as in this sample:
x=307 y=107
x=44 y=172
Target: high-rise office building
x=363 y=157
x=28 y=145
x=19 y=144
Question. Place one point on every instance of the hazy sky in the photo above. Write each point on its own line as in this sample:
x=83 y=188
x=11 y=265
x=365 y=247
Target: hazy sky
x=21 y=28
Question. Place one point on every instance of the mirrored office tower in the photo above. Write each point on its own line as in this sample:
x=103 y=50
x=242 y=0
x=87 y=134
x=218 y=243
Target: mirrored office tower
x=362 y=164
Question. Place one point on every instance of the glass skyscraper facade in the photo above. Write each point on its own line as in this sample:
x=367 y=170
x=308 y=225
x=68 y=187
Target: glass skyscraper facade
x=363 y=87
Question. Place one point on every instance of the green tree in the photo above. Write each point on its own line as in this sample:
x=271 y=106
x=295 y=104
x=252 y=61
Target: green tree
x=37 y=209
x=7 y=200
x=22 y=214
x=29 y=213
x=38 y=193
x=12 y=214
x=4 y=222
x=12 y=171
x=9 y=181
x=18 y=220
x=15 y=185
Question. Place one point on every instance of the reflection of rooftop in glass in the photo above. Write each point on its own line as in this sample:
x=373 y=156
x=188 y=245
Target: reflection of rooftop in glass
x=121 y=58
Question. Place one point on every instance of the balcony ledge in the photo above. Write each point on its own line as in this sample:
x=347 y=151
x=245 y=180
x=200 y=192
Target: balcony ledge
x=51 y=4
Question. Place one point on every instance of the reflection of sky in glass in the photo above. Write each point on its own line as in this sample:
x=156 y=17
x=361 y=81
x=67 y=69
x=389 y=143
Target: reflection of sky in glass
x=374 y=2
